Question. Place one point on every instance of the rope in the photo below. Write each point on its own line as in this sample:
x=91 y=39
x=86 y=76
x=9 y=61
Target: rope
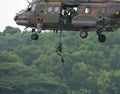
x=59 y=46
x=66 y=75
x=59 y=49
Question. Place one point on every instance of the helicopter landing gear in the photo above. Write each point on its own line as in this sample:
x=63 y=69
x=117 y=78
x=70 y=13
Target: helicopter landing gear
x=84 y=34
x=34 y=36
x=101 y=37
x=39 y=28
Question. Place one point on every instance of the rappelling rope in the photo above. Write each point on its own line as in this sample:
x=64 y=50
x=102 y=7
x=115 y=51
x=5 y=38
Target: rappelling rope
x=59 y=49
x=66 y=75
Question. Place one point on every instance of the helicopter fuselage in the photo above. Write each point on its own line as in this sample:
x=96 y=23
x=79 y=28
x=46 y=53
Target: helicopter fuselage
x=84 y=15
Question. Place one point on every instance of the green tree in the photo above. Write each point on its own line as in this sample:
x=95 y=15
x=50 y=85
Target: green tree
x=106 y=86
x=11 y=30
x=91 y=67
x=6 y=56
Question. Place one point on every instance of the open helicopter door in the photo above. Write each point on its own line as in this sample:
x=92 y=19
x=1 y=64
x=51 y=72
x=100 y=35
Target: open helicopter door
x=68 y=11
x=52 y=16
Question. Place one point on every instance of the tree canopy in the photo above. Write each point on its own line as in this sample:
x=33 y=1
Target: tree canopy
x=33 y=67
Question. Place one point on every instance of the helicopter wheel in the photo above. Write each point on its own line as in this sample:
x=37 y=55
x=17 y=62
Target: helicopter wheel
x=83 y=34
x=102 y=38
x=34 y=37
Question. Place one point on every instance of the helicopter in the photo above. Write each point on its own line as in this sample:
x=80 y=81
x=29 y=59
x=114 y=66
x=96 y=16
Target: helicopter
x=71 y=15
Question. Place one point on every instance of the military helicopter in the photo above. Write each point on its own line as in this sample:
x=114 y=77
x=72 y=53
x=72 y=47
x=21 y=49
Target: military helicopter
x=71 y=15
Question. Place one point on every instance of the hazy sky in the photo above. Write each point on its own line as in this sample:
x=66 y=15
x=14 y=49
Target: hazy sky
x=8 y=9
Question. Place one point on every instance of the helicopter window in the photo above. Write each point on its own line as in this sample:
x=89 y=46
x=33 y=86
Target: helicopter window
x=103 y=10
x=33 y=7
x=29 y=8
x=50 y=9
x=56 y=9
x=87 y=10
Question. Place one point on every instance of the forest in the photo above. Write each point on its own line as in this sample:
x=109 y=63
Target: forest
x=33 y=67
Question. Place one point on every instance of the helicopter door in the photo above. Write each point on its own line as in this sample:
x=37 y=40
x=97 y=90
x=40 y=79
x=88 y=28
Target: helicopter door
x=68 y=12
x=52 y=16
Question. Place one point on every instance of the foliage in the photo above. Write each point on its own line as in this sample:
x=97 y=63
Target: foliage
x=33 y=67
